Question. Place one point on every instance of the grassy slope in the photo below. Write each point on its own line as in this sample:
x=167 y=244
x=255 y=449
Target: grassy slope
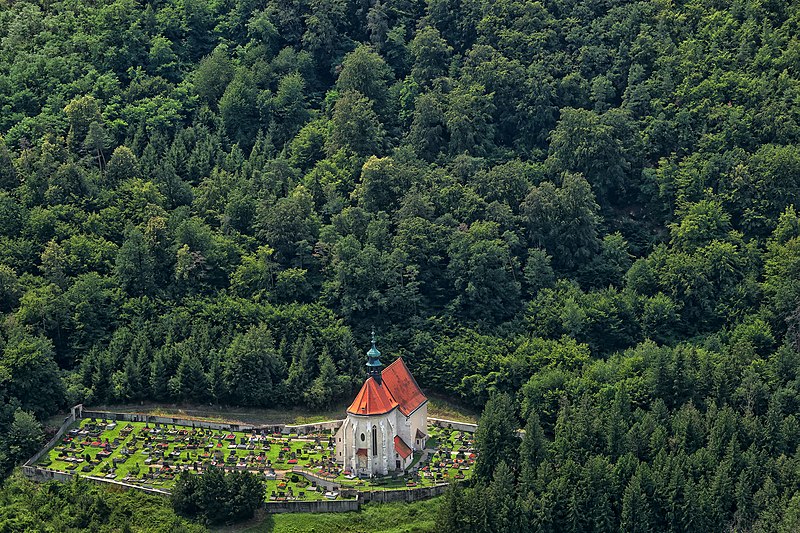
x=239 y=415
x=415 y=517
x=439 y=407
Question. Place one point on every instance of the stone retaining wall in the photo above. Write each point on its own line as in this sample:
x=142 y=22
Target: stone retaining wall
x=453 y=424
x=401 y=495
x=326 y=483
x=68 y=421
x=361 y=497
x=303 y=429
x=127 y=486
x=43 y=475
x=37 y=473
x=321 y=506
x=152 y=419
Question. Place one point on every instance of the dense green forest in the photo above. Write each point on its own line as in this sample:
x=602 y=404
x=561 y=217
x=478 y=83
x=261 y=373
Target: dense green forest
x=581 y=209
x=83 y=506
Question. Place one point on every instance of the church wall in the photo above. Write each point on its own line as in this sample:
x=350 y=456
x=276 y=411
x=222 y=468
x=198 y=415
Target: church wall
x=418 y=421
x=408 y=425
x=340 y=443
x=350 y=433
x=403 y=427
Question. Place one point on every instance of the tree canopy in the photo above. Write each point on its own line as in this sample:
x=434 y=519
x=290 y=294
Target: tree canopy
x=216 y=202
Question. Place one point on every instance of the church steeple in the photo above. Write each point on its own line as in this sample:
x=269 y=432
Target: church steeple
x=373 y=360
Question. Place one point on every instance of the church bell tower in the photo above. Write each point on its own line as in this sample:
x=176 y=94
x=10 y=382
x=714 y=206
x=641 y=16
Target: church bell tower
x=374 y=364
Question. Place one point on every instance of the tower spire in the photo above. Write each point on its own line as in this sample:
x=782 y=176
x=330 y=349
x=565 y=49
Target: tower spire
x=373 y=360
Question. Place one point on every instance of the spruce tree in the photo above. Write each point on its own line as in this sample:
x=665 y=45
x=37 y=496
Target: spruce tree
x=159 y=379
x=496 y=438
x=533 y=450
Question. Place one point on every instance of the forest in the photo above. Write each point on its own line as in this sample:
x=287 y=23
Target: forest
x=579 y=215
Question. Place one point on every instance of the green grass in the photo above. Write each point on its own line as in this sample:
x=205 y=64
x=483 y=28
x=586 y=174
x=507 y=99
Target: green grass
x=417 y=517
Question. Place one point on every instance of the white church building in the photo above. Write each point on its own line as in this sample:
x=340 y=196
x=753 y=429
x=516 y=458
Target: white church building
x=386 y=423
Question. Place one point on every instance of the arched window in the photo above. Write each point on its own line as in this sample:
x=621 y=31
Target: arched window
x=374 y=440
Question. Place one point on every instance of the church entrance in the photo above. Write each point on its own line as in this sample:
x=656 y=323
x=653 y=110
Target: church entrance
x=361 y=460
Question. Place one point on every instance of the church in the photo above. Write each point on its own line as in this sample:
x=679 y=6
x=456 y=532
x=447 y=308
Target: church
x=386 y=423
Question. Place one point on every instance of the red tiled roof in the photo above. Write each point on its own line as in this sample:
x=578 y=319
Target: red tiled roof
x=420 y=435
x=362 y=452
x=372 y=399
x=401 y=447
x=397 y=388
x=403 y=386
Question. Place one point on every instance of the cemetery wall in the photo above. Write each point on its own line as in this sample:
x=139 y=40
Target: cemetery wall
x=68 y=421
x=302 y=429
x=36 y=473
x=152 y=419
x=460 y=426
x=328 y=484
x=127 y=486
x=322 y=506
x=401 y=495
x=42 y=475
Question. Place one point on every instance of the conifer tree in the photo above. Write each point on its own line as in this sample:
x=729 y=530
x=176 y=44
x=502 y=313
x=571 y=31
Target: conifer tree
x=503 y=500
x=159 y=379
x=532 y=451
x=496 y=438
x=636 y=517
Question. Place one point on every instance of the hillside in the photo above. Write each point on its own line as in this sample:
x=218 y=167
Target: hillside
x=583 y=210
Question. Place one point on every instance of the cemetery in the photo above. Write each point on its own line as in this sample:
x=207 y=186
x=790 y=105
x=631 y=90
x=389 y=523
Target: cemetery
x=405 y=451
x=152 y=455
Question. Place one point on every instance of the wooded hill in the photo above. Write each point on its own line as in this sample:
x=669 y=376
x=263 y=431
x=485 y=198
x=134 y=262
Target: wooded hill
x=587 y=206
